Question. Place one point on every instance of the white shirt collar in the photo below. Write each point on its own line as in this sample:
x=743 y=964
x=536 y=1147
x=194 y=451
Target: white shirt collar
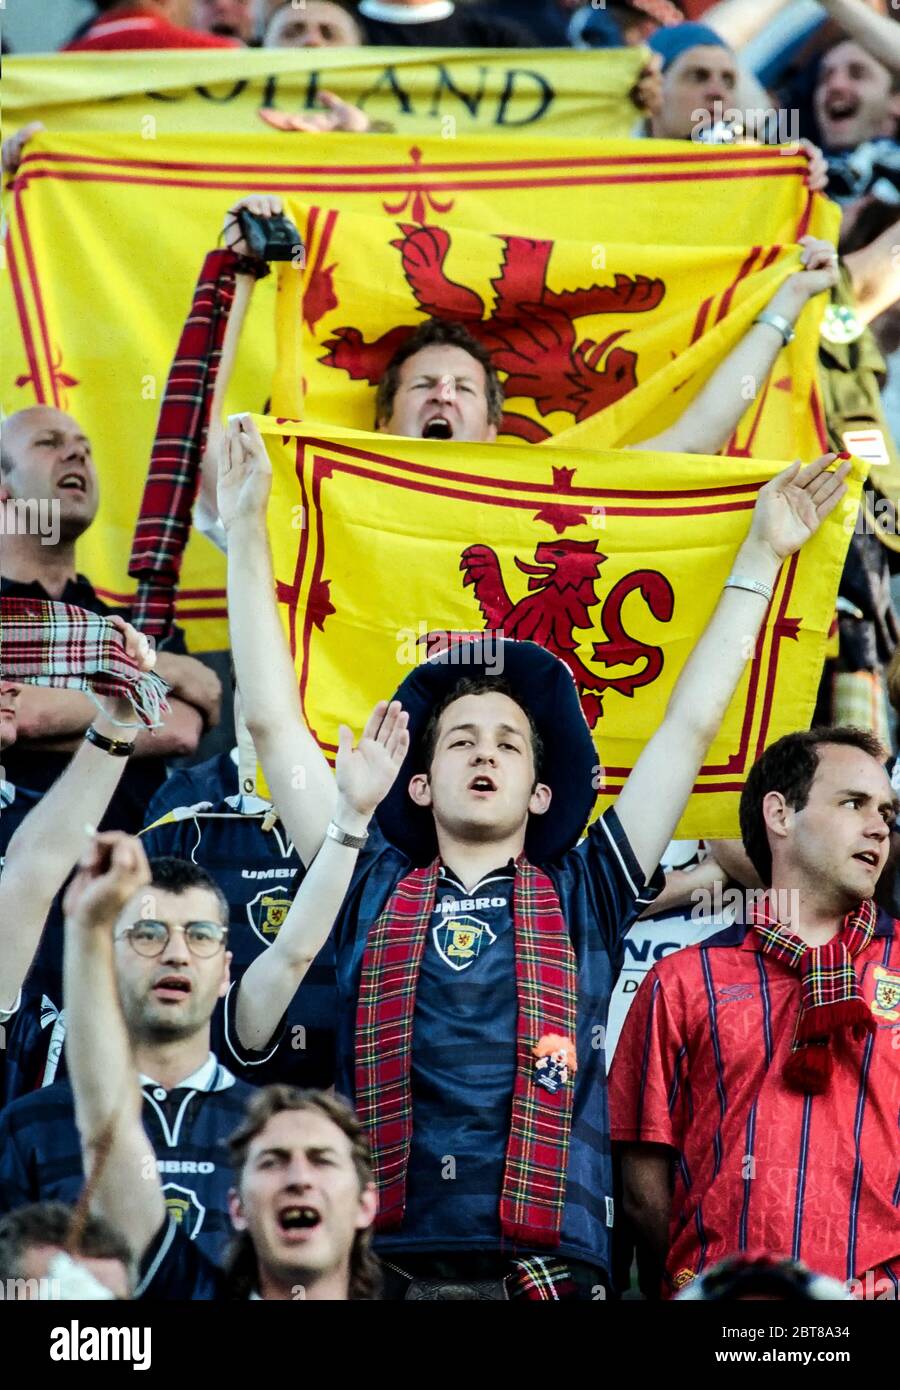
x=200 y=1080
x=406 y=14
x=7 y=793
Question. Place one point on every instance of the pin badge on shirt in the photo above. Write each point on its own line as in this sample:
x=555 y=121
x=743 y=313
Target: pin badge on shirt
x=554 y=1061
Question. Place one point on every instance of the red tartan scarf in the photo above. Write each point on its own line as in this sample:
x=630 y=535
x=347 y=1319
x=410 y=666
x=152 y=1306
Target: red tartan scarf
x=830 y=998
x=164 y=520
x=534 y=1179
x=58 y=645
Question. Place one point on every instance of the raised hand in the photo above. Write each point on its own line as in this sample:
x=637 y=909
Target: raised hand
x=365 y=773
x=263 y=204
x=245 y=472
x=816 y=170
x=112 y=869
x=792 y=507
x=647 y=92
x=820 y=272
x=338 y=115
x=139 y=648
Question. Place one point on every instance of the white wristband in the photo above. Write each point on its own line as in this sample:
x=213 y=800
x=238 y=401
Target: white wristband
x=753 y=586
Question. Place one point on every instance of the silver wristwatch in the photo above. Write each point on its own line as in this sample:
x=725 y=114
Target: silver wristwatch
x=779 y=323
x=343 y=837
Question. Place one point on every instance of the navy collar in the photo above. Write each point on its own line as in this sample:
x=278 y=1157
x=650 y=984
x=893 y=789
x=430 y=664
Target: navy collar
x=78 y=591
x=508 y=870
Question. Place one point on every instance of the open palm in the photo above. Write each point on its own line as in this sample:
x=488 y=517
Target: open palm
x=792 y=507
x=365 y=773
x=245 y=472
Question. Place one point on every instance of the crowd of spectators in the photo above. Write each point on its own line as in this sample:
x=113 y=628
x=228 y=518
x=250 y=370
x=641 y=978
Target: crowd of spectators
x=304 y=1020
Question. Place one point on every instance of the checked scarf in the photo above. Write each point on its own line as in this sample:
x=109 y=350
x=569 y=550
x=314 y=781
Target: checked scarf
x=830 y=995
x=59 y=645
x=541 y=1280
x=534 y=1180
x=164 y=520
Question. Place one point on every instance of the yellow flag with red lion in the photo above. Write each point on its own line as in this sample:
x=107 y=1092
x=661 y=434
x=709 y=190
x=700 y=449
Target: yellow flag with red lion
x=607 y=278
x=383 y=545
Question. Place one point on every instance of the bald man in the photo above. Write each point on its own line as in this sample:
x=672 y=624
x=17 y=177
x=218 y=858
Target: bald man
x=49 y=495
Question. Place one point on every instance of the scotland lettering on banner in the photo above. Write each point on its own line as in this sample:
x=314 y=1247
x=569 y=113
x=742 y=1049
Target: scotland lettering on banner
x=418 y=91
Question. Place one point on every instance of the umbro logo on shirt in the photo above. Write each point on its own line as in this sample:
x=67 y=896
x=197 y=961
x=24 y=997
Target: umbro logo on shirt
x=268 y=873
x=447 y=905
x=733 y=994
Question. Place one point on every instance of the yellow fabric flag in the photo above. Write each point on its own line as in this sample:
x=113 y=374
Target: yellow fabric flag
x=379 y=542
x=430 y=91
x=606 y=341
x=107 y=234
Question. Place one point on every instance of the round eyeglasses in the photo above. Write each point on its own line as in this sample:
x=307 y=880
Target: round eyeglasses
x=150 y=938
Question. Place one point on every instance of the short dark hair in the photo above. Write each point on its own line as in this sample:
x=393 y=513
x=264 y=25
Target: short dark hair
x=789 y=766
x=477 y=685
x=180 y=875
x=242 y=1271
x=444 y=333
x=50 y=1223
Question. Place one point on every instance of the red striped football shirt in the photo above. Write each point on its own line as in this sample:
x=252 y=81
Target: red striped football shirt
x=761 y=1167
x=135 y=27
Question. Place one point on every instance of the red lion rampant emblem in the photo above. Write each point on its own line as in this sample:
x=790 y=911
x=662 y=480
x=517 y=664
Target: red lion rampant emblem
x=530 y=332
x=562 y=590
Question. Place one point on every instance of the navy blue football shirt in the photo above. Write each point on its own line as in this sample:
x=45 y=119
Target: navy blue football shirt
x=46 y=970
x=243 y=845
x=189 y=1126
x=32 y=1033
x=210 y=781
x=175 y=1270
x=15 y=803
x=601 y=891
x=461 y=1092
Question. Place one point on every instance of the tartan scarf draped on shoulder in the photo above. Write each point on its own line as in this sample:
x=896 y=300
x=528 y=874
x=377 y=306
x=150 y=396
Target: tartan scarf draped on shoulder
x=534 y=1180
x=830 y=999
x=164 y=520
x=67 y=648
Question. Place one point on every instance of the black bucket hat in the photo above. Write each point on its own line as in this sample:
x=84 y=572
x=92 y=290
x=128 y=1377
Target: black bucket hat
x=546 y=688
